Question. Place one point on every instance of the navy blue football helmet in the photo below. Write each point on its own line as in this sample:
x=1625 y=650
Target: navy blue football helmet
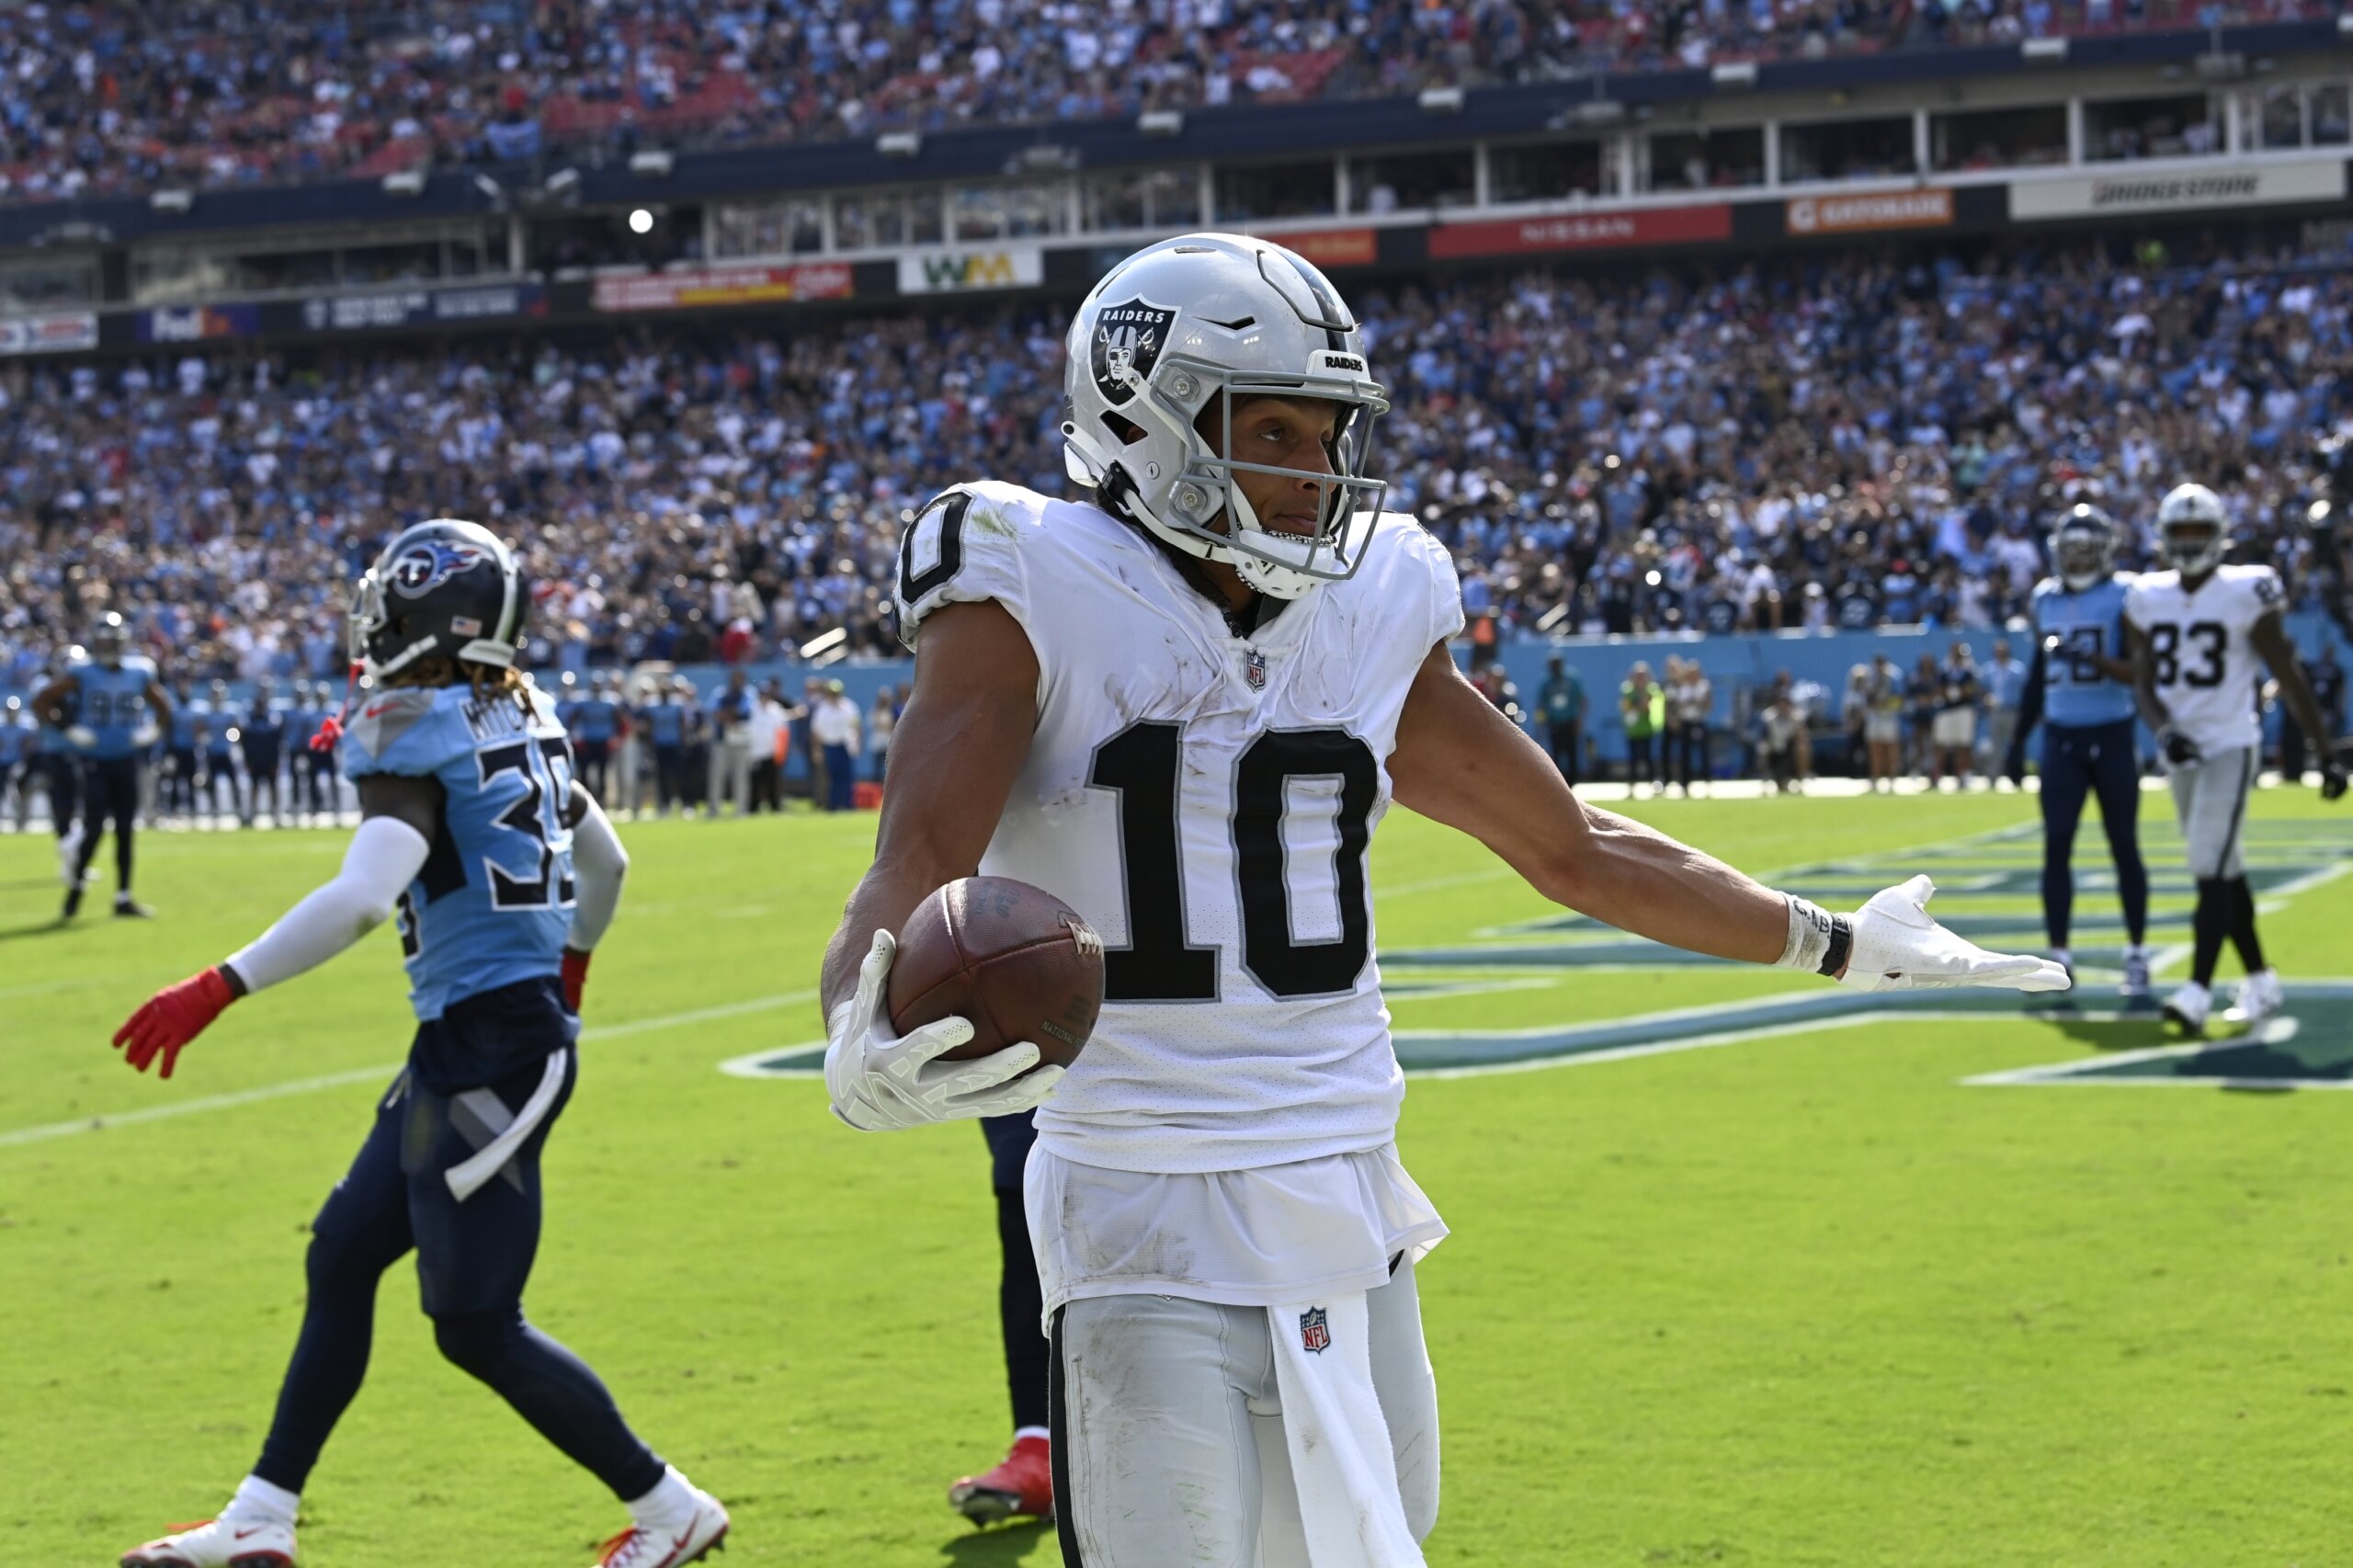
x=444 y=588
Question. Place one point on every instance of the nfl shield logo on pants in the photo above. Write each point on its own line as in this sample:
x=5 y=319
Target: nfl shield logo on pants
x=1315 y=1333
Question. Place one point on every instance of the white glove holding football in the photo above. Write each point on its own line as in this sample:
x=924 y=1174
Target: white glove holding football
x=1899 y=947
x=878 y=1080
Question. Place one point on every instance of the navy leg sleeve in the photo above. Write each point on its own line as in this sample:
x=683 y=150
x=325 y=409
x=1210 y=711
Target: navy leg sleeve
x=2117 y=776
x=1020 y=1300
x=2065 y=783
x=362 y=1230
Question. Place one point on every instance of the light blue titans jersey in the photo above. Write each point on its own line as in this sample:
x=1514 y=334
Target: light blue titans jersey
x=493 y=904
x=16 y=742
x=112 y=705
x=2075 y=692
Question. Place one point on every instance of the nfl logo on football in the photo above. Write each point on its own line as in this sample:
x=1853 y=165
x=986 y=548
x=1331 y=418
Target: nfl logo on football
x=1314 y=1333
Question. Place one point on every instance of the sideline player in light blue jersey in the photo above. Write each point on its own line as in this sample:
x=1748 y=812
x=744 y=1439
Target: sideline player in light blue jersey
x=2080 y=686
x=111 y=708
x=504 y=873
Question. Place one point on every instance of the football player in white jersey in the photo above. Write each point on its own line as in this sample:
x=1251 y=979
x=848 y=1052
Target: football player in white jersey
x=1181 y=706
x=2201 y=634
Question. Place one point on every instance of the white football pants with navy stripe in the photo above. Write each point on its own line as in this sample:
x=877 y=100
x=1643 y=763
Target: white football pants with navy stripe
x=1170 y=1441
x=2210 y=801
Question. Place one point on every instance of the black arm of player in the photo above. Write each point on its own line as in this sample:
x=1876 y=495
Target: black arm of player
x=2029 y=715
x=2270 y=639
x=954 y=758
x=2144 y=689
x=49 y=702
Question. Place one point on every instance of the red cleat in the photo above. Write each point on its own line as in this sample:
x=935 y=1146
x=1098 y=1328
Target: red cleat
x=1023 y=1486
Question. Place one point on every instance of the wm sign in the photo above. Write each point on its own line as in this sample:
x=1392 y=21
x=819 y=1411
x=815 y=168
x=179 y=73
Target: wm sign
x=946 y=272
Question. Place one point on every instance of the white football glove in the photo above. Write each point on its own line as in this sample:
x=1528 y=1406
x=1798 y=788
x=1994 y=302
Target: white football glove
x=880 y=1080
x=1898 y=947
x=82 y=735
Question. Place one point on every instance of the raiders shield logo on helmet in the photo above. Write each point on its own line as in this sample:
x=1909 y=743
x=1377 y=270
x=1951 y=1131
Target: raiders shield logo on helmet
x=1128 y=341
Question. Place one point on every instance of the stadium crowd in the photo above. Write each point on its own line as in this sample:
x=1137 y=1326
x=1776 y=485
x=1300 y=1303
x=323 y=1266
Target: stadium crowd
x=110 y=96
x=1803 y=446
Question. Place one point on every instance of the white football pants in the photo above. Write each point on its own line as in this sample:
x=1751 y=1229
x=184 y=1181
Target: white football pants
x=2210 y=801
x=1170 y=1448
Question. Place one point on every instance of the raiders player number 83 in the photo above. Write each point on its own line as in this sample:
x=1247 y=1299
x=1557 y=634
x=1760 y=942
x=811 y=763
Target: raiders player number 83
x=1183 y=705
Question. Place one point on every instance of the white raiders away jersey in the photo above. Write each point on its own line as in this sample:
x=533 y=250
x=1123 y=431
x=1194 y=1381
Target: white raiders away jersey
x=2201 y=643
x=1205 y=800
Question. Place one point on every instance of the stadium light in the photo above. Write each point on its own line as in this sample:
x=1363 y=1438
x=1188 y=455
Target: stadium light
x=2043 y=51
x=2345 y=25
x=172 y=200
x=1735 y=73
x=405 y=182
x=899 y=143
x=1441 y=100
x=651 y=164
x=563 y=182
x=1160 y=122
x=822 y=641
x=641 y=221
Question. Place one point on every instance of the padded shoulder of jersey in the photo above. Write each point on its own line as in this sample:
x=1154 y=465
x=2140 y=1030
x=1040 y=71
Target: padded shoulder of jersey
x=968 y=544
x=2049 y=588
x=410 y=729
x=1406 y=557
x=2262 y=582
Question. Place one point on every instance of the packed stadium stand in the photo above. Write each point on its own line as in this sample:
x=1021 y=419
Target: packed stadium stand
x=120 y=98
x=1804 y=445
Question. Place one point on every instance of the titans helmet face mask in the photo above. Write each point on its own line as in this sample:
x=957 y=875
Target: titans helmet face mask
x=109 y=640
x=2083 y=547
x=444 y=588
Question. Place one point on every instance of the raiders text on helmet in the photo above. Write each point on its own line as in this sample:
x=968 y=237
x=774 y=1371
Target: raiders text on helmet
x=2192 y=532
x=442 y=588
x=1208 y=320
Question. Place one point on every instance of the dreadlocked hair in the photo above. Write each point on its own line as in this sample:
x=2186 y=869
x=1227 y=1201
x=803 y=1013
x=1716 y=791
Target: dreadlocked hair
x=491 y=683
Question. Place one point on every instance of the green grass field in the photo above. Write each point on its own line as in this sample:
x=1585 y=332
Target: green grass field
x=1803 y=1297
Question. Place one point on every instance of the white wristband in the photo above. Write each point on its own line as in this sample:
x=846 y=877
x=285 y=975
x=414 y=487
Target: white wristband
x=1808 y=939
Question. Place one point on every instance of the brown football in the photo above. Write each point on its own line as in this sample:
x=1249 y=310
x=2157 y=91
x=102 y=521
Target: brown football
x=1015 y=959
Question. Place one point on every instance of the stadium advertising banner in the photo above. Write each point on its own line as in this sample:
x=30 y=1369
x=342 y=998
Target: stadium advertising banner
x=723 y=286
x=1334 y=248
x=953 y=271
x=2178 y=190
x=196 y=323
x=1584 y=231
x=56 y=334
x=424 y=307
x=1865 y=214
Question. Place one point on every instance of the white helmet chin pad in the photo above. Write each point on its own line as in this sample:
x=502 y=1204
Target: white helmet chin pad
x=1217 y=318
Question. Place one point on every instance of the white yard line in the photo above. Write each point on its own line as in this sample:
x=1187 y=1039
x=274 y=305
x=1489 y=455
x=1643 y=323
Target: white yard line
x=378 y=1073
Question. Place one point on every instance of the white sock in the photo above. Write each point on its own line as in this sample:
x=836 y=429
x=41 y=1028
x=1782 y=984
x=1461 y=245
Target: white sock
x=2062 y=956
x=258 y=1499
x=1021 y=1432
x=671 y=1502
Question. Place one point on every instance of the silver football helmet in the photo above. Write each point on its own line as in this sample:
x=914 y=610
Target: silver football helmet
x=2083 y=546
x=2192 y=532
x=1211 y=319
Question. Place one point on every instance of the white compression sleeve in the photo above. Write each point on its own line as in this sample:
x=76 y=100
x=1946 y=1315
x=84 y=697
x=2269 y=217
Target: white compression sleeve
x=599 y=863
x=385 y=855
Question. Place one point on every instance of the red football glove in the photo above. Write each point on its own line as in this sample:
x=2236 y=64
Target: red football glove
x=172 y=1018
x=575 y=977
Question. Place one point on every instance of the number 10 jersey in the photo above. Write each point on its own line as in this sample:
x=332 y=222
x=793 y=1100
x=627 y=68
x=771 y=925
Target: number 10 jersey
x=1204 y=798
x=2201 y=649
